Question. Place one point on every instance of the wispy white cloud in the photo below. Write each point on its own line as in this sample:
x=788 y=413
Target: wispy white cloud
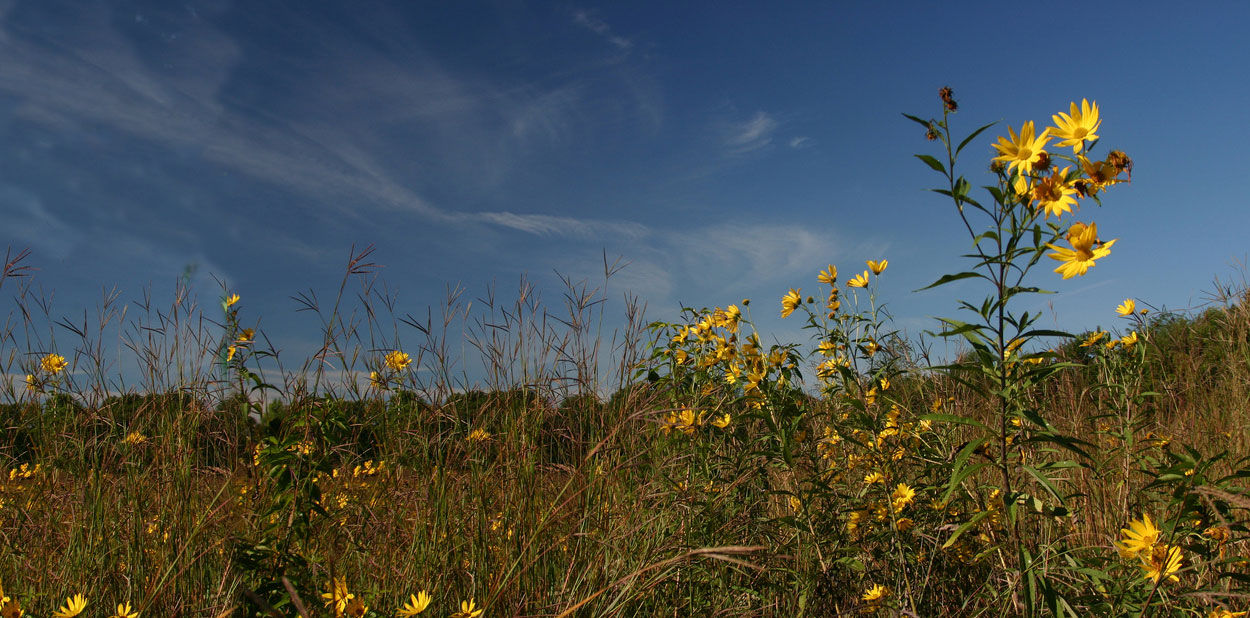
x=601 y=28
x=548 y=225
x=547 y=115
x=326 y=150
x=27 y=219
x=800 y=142
x=749 y=135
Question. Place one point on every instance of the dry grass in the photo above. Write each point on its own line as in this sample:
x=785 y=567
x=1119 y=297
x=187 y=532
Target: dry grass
x=575 y=504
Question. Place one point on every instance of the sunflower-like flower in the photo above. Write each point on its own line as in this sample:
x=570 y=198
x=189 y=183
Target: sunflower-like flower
x=790 y=302
x=902 y=496
x=1086 y=248
x=877 y=267
x=858 y=281
x=124 y=611
x=1054 y=195
x=73 y=606
x=1077 y=126
x=1161 y=561
x=1224 y=613
x=1022 y=151
x=1140 y=536
x=829 y=275
x=876 y=594
x=1094 y=338
x=1127 y=307
x=396 y=360
x=53 y=363
x=415 y=605
x=1099 y=175
x=467 y=610
x=337 y=595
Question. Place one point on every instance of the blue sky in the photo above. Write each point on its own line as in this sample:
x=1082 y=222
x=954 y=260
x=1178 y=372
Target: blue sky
x=725 y=150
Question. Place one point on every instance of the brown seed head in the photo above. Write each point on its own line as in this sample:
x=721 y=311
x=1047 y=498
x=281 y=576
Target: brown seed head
x=1043 y=161
x=997 y=167
x=932 y=133
x=1121 y=162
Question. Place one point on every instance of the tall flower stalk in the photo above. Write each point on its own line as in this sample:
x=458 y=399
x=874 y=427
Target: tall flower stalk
x=1010 y=233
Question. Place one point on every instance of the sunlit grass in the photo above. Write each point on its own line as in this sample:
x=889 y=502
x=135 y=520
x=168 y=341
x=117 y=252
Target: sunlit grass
x=677 y=468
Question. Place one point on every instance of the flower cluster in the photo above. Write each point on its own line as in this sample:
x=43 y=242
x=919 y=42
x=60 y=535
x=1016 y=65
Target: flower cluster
x=1141 y=541
x=1036 y=179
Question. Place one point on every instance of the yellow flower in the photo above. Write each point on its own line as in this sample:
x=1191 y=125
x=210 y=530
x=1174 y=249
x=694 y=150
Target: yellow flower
x=397 y=361
x=53 y=363
x=11 y=609
x=876 y=594
x=124 y=611
x=722 y=421
x=1023 y=151
x=31 y=383
x=479 y=435
x=1093 y=338
x=467 y=610
x=859 y=281
x=1161 y=561
x=877 y=267
x=246 y=336
x=1127 y=307
x=231 y=300
x=1224 y=613
x=790 y=302
x=874 y=477
x=135 y=438
x=1129 y=340
x=1086 y=248
x=1054 y=194
x=337 y=596
x=375 y=380
x=829 y=275
x=1099 y=176
x=73 y=606
x=1078 y=126
x=415 y=605
x=356 y=608
x=902 y=496
x=1139 y=536
x=230 y=353
x=1219 y=533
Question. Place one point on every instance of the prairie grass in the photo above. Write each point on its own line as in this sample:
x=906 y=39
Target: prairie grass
x=591 y=469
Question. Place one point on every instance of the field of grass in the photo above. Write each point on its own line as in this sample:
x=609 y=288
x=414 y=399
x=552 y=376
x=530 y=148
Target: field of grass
x=675 y=468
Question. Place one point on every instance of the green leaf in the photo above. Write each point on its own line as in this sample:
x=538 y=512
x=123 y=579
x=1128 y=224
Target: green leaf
x=972 y=136
x=932 y=162
x=949 y=278
x=964 y=528
x=920 y=121
x=1041 y=332
x=1045 y=481
x=964 y=472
